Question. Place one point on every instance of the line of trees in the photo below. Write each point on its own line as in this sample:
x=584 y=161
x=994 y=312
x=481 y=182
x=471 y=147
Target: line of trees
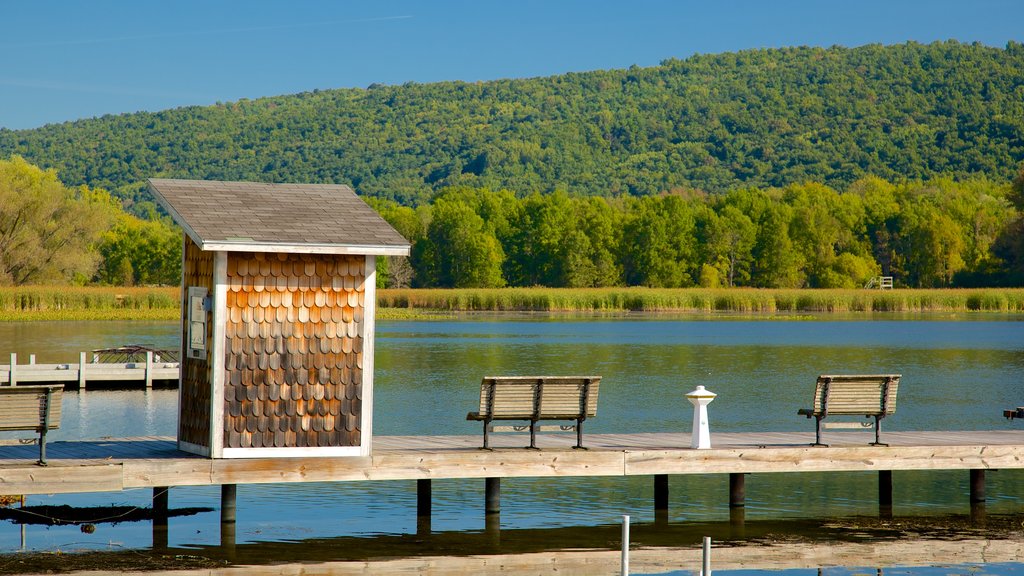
x=936 y=233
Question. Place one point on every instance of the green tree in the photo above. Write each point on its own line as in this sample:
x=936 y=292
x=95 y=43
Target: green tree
x=48 y=232
x=459 y=251
x=137 y=251
x=933 y=246
x=732 y=241
x=659 y=247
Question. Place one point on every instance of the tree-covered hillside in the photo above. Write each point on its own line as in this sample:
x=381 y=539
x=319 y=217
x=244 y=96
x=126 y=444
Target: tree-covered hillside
x=761 y=118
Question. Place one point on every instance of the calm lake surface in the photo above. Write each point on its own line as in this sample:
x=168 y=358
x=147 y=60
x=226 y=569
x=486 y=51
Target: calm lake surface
x=959 y=373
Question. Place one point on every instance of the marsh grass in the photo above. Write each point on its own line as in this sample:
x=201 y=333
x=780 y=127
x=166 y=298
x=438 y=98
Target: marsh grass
x=88 y=303
x=704 y=300
x=161 y=303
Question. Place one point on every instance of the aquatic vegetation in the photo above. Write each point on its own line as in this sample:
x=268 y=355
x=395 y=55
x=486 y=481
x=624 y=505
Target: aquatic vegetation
x=747 y=300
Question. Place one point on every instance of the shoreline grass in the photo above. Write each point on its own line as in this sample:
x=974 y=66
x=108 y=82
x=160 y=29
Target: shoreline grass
x=748 y=300
x=28 y=303
x=54 y=303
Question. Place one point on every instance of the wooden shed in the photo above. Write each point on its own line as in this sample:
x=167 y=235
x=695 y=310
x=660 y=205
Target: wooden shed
x=278 y=300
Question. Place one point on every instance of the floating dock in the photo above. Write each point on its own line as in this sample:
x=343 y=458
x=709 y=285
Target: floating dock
x=76 y=375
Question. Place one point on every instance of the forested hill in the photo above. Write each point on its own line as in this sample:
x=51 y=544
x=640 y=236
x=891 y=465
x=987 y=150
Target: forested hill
x=711 y=122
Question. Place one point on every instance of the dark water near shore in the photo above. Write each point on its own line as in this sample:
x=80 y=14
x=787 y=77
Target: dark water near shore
x=959 y=373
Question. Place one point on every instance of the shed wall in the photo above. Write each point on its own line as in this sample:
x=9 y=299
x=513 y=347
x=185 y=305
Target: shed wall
x=294 y=350
x=196 y=374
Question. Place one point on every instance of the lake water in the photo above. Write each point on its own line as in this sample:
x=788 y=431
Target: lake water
x=959 y=373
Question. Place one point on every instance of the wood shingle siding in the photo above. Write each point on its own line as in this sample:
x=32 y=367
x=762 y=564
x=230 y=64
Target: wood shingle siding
x=294 y=353
x=194 y=391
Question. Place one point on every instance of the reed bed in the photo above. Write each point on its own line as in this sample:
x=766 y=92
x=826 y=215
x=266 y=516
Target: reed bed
x=89 y=303
x=161 y=303
x=749 y=300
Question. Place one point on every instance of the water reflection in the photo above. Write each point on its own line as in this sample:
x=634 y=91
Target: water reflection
x=427 y=378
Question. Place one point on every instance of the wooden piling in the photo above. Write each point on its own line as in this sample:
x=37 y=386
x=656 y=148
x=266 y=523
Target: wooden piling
x=885 y=494
x=885 y=488
x=737 y=490
x=228 y=503
x=492 y=496
x=660 y=492
x=424 y=506
x=160 y=503
x=977 y=485
x=160 y=507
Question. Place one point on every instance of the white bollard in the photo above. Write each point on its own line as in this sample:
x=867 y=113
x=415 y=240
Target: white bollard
x=625 y=545
x=701 y=435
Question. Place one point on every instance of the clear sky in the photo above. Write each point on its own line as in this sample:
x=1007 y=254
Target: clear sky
x=70 y=59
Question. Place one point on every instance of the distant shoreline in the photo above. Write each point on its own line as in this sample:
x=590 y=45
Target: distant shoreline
x=57 y=303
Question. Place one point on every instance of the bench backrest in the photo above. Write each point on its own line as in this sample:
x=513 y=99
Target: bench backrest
x=857 y=394
x=559 y=396
x=23 y=407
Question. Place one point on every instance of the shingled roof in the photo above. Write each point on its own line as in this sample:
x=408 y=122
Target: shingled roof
x=258 y=217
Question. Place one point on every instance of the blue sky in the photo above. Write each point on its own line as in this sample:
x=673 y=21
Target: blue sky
x=70 y=59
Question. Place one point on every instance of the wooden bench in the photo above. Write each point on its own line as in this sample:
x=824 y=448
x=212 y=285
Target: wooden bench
x=536 y=398
x=34 y=408
x=863 y=395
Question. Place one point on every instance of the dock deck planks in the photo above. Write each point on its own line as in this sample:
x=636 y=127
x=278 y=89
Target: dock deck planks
x=113 y=464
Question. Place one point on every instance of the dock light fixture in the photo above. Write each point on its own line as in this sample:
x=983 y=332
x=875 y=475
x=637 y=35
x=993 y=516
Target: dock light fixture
x=701 y=436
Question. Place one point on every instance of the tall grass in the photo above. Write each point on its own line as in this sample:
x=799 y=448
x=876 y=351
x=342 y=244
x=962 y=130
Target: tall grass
x=117 y=303
x=88 y=303
x=705 y=300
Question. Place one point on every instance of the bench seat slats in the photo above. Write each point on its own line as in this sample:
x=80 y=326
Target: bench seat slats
x=870 y=395
x=514 y=396
x=26 y=408
x=535 y=398
x=21 y=407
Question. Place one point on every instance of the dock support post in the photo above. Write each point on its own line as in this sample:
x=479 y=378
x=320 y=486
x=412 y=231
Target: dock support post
x=492 y=496
x=160 y=506
x=149 y=369
x=885 y=493
x=977 y=486
x=228 y=503
x=492 y=509
x=660 y=498
x=228 y=518
x=81 y=371
x=737 y=490
x=423 y=506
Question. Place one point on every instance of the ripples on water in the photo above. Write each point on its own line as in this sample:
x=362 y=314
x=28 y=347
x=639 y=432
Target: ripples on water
x=957 y=375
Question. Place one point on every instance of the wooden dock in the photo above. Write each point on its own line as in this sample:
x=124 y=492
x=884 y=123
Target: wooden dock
x=152 y=462
x=77 y=375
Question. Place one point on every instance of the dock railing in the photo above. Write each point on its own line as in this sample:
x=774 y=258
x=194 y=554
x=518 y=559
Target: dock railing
x=82 y=372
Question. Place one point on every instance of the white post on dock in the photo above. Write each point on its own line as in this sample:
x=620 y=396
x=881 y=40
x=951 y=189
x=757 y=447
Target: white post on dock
x=705 y=565
x=32 y=359
x=81 y=371
x=149 y=369
x=14 y=372
x=625 y=545
x=701 y=434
